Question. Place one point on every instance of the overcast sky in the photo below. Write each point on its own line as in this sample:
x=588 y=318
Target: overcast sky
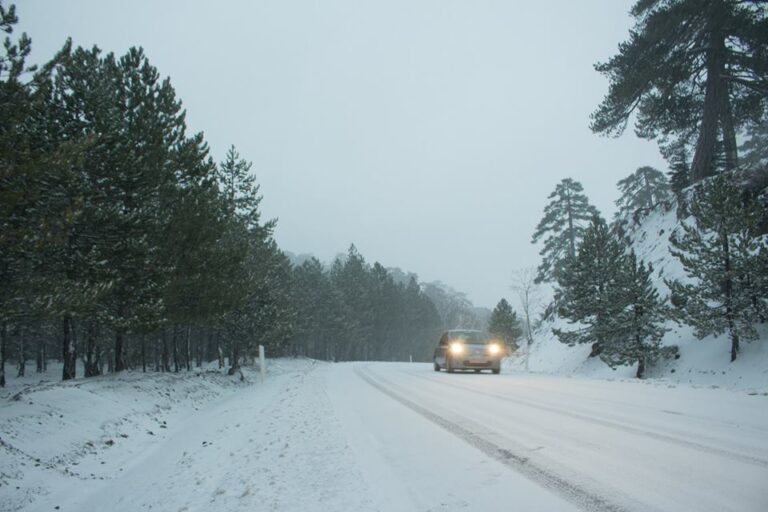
x=428 y=133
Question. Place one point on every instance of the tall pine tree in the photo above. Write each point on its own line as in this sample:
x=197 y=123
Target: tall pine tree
x=562 y=228
x=694 y=72
x=589 y=287
x=636 y=331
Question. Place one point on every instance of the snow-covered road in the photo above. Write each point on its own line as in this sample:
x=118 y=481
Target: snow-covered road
x=399 y=437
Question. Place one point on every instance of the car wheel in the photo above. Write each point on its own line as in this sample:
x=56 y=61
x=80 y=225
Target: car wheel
x=496 y=371
x=448 y=366
x=437 y=367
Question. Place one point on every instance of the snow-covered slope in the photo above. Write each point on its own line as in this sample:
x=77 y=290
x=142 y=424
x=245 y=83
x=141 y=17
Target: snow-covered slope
x=701 y=362
x=59 y=433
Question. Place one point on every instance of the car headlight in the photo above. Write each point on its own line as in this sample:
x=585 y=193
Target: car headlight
x=457 y=348
x=494 y=349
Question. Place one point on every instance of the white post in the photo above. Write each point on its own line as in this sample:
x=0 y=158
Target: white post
x=411 y=357
x=262 y=363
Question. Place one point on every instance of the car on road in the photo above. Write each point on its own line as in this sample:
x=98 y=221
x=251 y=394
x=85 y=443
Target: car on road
x=468 y=349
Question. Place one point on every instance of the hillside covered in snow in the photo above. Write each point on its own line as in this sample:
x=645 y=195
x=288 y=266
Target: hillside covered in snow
x=701 y=361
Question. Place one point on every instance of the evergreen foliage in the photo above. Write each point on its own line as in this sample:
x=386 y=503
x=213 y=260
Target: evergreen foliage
x=637 y=330
x=641 y=191
x=562 y=228
x=679 y=172
x=504 y=324
x=724 y=255
x=355 y=311
x=123 y=240
x=694 y=72
x=612 y=298
x=588 y=288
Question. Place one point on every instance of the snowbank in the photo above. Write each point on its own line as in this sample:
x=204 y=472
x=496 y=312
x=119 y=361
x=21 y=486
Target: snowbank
x=58 y=433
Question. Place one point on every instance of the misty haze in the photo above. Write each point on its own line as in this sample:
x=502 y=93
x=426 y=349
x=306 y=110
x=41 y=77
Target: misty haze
x=384 y=256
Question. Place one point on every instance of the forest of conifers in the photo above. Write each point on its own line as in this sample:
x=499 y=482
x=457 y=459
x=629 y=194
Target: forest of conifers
x=124 y=245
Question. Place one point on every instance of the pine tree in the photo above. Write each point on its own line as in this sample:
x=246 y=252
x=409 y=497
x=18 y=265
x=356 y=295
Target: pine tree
x=258 y=310
x=16 y=104
x=724 y=255
x=504 y=323
x=311 y=300
x=562 y=228
x=676 y=155
x=352 y=279
x=641 y=191
x=589 y=286
x=694 y=71
x=636 y=331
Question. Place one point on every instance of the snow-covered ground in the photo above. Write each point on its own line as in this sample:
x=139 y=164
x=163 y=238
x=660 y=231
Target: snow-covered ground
x=380 y=436
x=704 y=362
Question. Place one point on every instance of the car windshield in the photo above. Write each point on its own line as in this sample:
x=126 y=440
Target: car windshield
x=471 y=337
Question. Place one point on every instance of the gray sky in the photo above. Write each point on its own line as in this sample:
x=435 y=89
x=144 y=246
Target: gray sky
x=427 y=132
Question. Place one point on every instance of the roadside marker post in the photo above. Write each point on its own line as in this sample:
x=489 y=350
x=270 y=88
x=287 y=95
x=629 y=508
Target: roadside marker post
x=262 y=363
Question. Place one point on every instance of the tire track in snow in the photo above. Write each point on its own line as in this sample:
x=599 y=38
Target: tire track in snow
x=693 y=445
x=571 y=492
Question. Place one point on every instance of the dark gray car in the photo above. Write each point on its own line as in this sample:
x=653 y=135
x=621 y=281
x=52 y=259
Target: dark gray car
x=467 y=349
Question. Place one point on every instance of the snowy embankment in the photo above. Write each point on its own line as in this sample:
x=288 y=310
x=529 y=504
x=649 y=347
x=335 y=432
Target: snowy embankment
x=56 y=434
x=704 y=362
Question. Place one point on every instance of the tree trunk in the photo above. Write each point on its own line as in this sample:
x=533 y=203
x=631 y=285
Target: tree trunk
x=704 y=158
x=201 y=347
x=41 y=356
x=640 y=368
x=110 y=362
x=187 y=348
x=166 y=362
x=219 y=351
x=68 y=349
x=174 y=344
x=22 y=350
x=3 y=336
x=91 y=357
x=571 y=234
x=234 y=364
x=119 y=348
x=143 y=353
x=728 y=288
x=157 y=345
x=729 y=131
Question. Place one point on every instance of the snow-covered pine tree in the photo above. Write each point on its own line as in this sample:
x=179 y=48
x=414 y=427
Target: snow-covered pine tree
x=562 y=228
x=504 y=323
x=636 y=331
x=589 y=288
x=641 y=191
x=724 y=254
